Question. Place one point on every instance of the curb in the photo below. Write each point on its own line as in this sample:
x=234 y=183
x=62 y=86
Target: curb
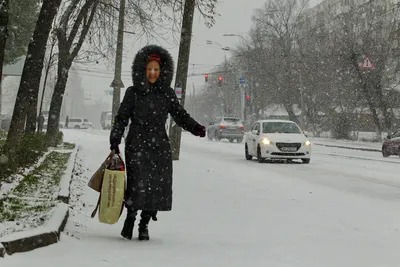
x=352 y=148
x=65 y=182
x=49 y=233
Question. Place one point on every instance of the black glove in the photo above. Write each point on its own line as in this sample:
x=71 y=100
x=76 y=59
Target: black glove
x=115 y=147
x=199 y=130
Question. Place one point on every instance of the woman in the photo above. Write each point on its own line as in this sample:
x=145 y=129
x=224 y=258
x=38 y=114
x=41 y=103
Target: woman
x=147 y=149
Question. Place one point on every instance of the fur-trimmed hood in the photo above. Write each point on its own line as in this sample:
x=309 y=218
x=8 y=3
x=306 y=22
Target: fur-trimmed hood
x=139 y=67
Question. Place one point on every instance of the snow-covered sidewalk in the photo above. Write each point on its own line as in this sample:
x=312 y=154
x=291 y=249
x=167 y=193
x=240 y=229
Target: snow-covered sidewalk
x=230 y=212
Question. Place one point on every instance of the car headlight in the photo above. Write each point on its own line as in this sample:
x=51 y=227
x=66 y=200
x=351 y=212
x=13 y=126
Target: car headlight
x=266 y=141
x=307 y=143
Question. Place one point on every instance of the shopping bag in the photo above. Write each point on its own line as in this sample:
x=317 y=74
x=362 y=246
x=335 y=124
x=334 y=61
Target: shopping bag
x=111 y=199
x=96 y=180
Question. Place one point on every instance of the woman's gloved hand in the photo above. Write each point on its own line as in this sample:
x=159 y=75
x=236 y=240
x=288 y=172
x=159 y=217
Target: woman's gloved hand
x=115 y=147
x=199 y=130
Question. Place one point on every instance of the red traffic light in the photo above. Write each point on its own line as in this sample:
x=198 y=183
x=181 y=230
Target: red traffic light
x=220 y=78
x=248 y=97
x=206 y=75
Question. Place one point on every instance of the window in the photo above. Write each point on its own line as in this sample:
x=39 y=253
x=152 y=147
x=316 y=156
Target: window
x=256 y=127
x=396 y=134
x=75 y=120
x=281 y=127
x=231 y=119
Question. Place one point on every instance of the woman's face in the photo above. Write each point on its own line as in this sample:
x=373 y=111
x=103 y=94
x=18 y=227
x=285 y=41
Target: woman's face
x=152 y=71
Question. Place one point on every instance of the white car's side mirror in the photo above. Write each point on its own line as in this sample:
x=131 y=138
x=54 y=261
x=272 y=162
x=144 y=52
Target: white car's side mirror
x=254 y=131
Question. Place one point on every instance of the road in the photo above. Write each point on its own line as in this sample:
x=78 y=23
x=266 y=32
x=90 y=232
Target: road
x=339 y=210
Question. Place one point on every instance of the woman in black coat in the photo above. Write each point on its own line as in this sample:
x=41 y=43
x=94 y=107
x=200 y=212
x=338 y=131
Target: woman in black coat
x=147 y=148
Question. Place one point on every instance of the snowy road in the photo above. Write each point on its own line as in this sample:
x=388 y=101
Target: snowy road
x=339 y=210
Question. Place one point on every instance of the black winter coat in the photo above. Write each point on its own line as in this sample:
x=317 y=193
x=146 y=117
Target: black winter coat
x=147 y=148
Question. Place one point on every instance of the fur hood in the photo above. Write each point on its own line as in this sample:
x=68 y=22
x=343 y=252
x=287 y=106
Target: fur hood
x=139 y=67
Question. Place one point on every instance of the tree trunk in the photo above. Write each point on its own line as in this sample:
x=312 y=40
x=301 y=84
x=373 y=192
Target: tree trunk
x=4 y=16
x=373 y=109
x=56 y=103
x=29 y=86
x=289 y=110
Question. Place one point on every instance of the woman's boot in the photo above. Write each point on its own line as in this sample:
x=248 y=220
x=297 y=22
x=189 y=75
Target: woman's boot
x=127 y=230
x=144 y=222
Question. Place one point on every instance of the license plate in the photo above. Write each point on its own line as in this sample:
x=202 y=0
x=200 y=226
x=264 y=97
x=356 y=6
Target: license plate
x=289 y=149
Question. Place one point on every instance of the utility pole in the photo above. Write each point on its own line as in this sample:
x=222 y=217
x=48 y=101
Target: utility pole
x=194 y=101
x=117 y=83
x=194 y=95
x=175 y=132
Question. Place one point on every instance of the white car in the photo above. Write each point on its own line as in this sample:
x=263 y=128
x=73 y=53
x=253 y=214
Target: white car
x=79 y=123
x=277 y=139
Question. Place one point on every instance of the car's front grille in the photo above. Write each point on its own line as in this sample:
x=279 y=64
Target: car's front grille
x=288 y=147
x=287 y=154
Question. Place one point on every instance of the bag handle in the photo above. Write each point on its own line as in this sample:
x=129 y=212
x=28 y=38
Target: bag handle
x=112 y=153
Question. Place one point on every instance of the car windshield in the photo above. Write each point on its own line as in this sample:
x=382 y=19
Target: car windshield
x=281 y=127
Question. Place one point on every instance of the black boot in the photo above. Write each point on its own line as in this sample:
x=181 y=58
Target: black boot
x=144 y=222
x=127 y=231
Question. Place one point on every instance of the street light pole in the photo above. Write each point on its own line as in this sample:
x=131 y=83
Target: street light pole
x=209 y=42
x=117 y=83
x=250 y=78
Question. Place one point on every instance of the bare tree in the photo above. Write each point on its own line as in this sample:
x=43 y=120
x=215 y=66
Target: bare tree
x=71 y=33
x=30 y=80
x=376 y=36
x=278 y=22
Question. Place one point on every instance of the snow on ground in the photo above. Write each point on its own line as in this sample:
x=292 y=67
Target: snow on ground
x=339 y=210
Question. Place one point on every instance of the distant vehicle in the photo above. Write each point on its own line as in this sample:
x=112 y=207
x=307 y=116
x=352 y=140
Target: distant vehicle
x=277 y=139
x=230 y=128
x=106 y=120
x=79 y=123
x=391 y=145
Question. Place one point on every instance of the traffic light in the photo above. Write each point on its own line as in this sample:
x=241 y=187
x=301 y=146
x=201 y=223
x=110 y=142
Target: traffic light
x=220 y=81
x=206 y=77
x=248 y=100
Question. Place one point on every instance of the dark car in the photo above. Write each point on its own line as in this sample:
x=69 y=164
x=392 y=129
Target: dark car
x=230 y=128
x=391 y=145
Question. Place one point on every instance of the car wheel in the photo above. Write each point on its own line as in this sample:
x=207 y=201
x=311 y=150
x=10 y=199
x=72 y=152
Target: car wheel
x=385 y=153
x=246 y=153
x=217 y=136
x=209 y=136
x=305 y=161
x=259 y=158
x=77 y=127
x=239 y=140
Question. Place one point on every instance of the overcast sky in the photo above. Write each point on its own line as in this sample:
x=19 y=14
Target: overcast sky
x=235 y=17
